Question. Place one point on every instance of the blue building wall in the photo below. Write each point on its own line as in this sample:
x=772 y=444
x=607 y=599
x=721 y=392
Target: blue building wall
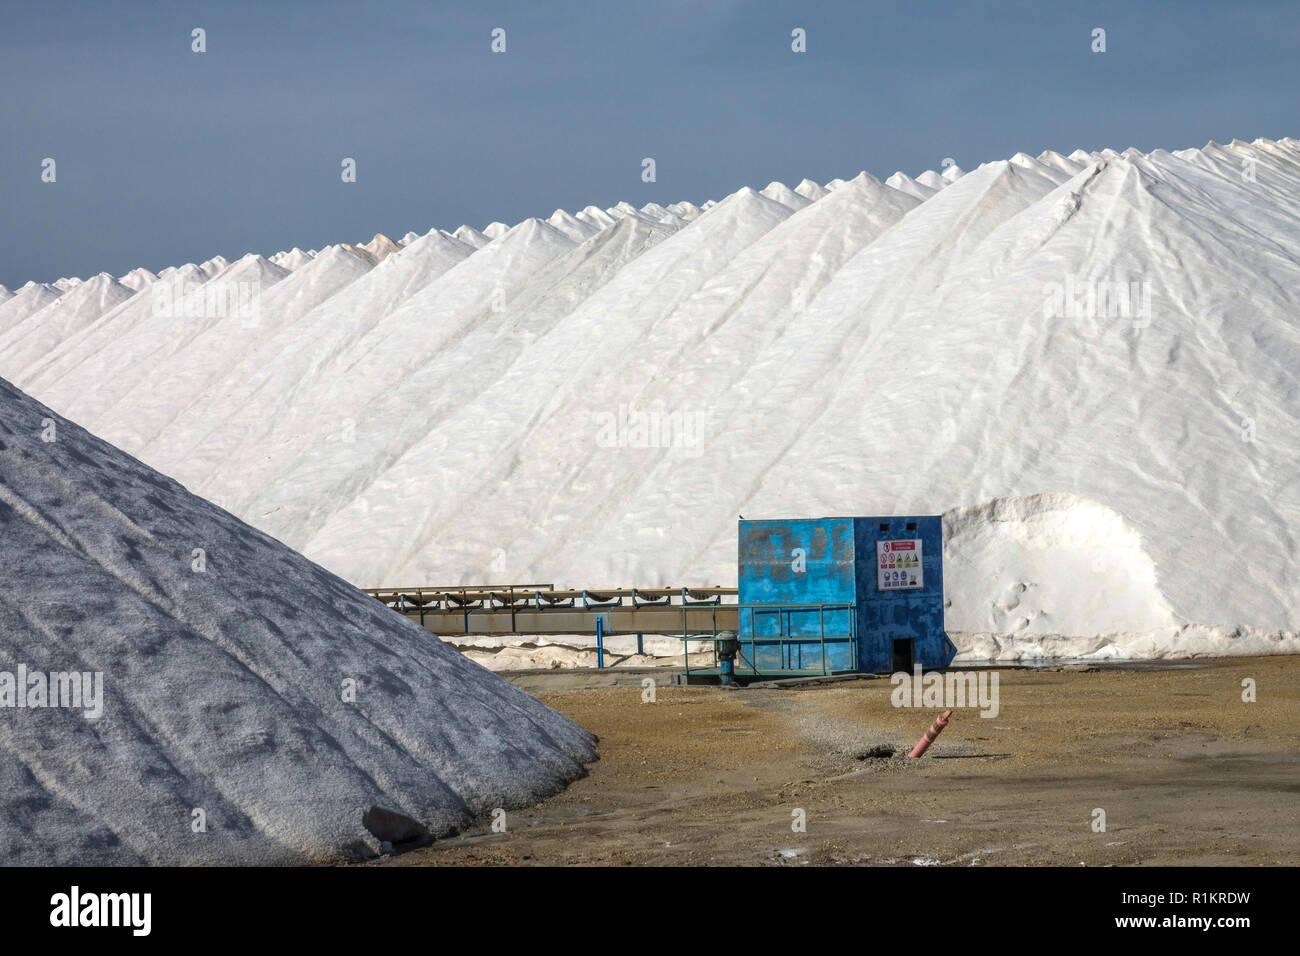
x=886 y=616
x=829 y=561
x=796 y=561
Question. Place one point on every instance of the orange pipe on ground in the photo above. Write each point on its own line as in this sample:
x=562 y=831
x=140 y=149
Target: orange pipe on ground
x=936 y=728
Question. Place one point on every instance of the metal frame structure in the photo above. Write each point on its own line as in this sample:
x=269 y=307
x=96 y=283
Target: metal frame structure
x=690 y=614
x=543 y=609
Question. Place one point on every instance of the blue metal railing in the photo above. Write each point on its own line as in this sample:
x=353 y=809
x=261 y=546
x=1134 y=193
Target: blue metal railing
x=788 y=643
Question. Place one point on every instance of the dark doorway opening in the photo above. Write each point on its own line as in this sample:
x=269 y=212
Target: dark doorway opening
x=904 y=654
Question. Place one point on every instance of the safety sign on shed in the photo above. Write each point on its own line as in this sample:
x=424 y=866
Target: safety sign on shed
x=898 y=565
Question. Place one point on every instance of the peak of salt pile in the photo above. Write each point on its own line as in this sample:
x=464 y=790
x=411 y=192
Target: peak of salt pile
x=137 y=279
x=596 y=216
x=292 y=259
x=810 y=190
x=573 y=227
x=234 y=676
x=906 y=184
x=213 y=266
x=785 y=195
x=1056 y=161
x=381 y=247
x=620 y=209
x=685 y=211
x=187 y=270
x=658 y=213
x=931 y=180
x=471 y=236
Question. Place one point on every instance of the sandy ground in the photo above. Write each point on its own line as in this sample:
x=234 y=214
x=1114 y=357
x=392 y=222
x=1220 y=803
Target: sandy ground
x=1186 y=772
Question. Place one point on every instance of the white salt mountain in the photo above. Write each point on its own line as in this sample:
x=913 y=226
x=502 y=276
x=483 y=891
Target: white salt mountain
x=686 y=211
x=226 y=659
x=87 y=344
x=621 y=209
x=810 y=190
x=35 y=336
x=785 y=195
x=596 y=411
x=596 y=216
x=213 y=266
x=460 y=313
x=378 y=248
x=167 y=334
x=470 y=236
x=293 y=259
x=576 y=229
x=732 y=249
x=26 y=301
x=661 y=214
x=137 y=279
x=905 y=183
x=225 y=416
x=201 y=354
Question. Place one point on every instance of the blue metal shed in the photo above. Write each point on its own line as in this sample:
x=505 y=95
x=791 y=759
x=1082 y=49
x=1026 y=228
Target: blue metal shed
x=867 y=592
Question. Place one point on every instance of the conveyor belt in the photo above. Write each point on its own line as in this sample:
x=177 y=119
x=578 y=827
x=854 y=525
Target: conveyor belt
x=544 y=609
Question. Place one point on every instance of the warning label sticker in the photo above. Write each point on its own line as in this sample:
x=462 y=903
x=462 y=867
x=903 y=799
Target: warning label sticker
x=898 y=565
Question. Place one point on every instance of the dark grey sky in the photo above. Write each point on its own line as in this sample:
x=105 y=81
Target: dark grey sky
x=166 y=156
